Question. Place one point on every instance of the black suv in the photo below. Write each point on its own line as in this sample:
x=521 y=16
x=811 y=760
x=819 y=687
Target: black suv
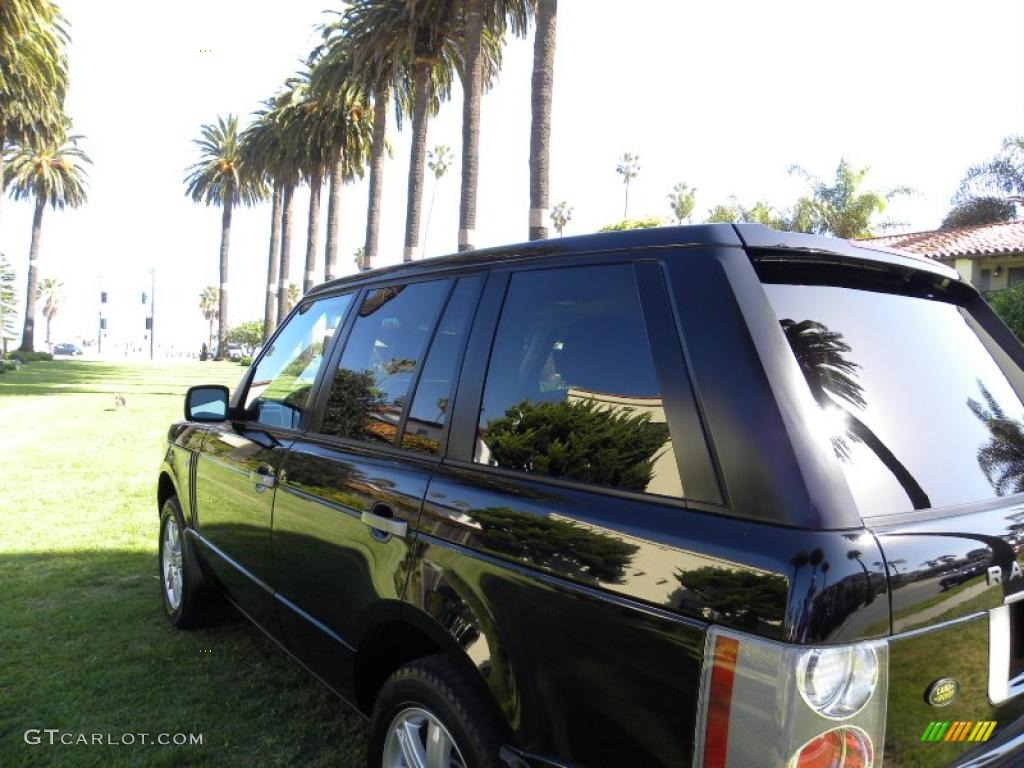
x=713 y=495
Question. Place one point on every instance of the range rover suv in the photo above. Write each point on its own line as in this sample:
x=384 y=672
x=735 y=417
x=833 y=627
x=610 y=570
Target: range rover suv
x=716 y=496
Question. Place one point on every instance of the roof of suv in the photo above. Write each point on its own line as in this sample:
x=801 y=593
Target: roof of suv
x=734 y=235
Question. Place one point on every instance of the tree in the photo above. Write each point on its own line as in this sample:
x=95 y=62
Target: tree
x=50 y=292
x=8 y=309
x=681 y=200
x=359 y=256
x=48 y=171
x=293 y=295
x=1002 y=176
x=979 y=210
x=760 y=213
x=561 y=215
x=439 y=160
x=1002 y=457
x=249 y=335
x=841 y=208
x=220 y=177
x=485 y=23
x=1009 y=305
x=542 y=83
x=646 y=223
x=209 y=305
x=628 y=168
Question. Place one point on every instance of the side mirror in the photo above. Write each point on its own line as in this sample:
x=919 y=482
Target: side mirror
x=208 y=402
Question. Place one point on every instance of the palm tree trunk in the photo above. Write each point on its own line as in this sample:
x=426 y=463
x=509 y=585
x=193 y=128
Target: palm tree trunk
x=49 y=321
x=337 y=180
x=222 y=314
x=28 y=332
x=910 y=485
x=313 y=229
x=625 y=208
x=417 y=157
x=472 y=86
x=540 y=123
x=380 y=118
x=286 y=252
x=269 y=304
x=3 y=145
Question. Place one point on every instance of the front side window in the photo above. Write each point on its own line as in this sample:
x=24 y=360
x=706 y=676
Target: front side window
x=279 y=391
x=571 y=390
x=371 y=385
x=916 y=408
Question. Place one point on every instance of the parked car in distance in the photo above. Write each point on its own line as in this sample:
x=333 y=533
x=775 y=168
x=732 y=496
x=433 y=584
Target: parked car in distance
x=67 y=349
x=666 y=497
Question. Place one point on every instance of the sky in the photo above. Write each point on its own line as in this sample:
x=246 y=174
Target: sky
x=724 y=96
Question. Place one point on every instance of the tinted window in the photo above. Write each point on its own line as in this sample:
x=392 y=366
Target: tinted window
x=429 y=411
x=280 y=386
x=371 y=386
x=916 y=409
x=571 y=390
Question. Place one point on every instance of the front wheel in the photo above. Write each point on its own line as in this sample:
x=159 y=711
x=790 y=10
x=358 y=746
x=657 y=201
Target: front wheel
x=181 y=581
x=430 y=715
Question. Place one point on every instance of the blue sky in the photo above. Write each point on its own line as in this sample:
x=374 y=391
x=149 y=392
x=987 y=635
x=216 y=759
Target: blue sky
x=724 y=96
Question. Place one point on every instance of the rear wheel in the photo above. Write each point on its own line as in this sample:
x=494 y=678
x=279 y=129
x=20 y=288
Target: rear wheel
x=430 y=715
x=184 y=590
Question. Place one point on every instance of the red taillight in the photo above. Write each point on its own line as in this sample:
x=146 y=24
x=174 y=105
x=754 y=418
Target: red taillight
x=838 y=748
x=716 y=735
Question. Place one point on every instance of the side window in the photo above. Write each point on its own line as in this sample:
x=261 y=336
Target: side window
x=371 y=385
x=429 y=410
x=280 y=386
x=571 y=390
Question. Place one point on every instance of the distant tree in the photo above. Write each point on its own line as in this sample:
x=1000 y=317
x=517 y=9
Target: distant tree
x=561 y=215
x=681 y=200
x=1009 y=305
x=841 y=208
x=628 y=168
x=439 y=161
x=293 y=295
x=975 y=211
x=8 y=308
x=647 y=223
x=249 y=335
x=359 y=256
x=1002 y=176
x=735 y=212
x=50 y=292
x=209 y=305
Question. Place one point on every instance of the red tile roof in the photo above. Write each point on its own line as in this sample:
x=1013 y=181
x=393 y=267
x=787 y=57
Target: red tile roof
x=964 y=242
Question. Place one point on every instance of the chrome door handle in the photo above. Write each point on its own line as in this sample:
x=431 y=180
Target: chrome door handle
x=385 y=524
x=263 y=477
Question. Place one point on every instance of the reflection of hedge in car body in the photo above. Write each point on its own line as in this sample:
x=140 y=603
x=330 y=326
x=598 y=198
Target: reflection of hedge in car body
x=578 y=441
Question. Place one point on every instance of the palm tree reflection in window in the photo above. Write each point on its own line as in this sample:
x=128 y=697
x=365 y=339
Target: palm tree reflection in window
x=1001 y=458
x=831 y=376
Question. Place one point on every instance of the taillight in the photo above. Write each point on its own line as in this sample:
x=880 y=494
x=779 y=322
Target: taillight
x=770 y=704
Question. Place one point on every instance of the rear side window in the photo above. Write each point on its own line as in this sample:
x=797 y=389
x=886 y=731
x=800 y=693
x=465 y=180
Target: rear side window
x=571 y=389
x=371 y=385
x=918 y=412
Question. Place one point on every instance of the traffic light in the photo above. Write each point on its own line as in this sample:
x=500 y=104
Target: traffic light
x=103 y=297
x=149 y=323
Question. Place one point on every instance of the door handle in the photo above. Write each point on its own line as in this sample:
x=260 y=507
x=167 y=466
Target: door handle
x=385 y=524
x=263 y=476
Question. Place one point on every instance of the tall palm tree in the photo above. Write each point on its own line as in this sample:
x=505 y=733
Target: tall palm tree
x=209 y=305
x=540 y=115
x=628 y=168
x=439 y=161
x=48 y=172
x=991 y=190
x=50 y=292
x=485 y=21
x=561 y=215
x=33 y=72
x=220 y=177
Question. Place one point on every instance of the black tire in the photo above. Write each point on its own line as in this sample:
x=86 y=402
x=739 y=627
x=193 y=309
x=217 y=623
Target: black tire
x=193 y=607
x=437 y=684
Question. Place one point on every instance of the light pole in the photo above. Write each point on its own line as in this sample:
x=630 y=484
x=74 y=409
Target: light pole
x=152 y=310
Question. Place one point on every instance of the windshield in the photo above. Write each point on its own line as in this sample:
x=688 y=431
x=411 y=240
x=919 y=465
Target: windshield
x=915 y=407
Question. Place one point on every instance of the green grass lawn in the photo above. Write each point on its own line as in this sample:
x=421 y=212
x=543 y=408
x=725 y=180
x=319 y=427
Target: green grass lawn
x=84 y=646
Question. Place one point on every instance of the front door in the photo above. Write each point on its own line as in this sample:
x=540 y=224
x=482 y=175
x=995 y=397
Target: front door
x=238 y=468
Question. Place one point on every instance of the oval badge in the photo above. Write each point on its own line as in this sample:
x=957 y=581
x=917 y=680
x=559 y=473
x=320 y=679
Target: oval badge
x=942 y=692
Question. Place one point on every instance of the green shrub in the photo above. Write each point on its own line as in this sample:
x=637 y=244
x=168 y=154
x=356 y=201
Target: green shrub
x=245 y=360
x=1009 y=305
x=28 y=357
x=645 y=223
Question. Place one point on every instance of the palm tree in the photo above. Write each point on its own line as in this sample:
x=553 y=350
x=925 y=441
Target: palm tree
x=540 y=119
x=33 y=72
x=293 y=295
x=50 y=172
x=561 y=215
x=50 y=291
x=682 y=200
x=209 y=305
x=990 y=190
x=628 y=168
x=8 y=308
x=485 y=24
x=439 y=160
x=220 y=177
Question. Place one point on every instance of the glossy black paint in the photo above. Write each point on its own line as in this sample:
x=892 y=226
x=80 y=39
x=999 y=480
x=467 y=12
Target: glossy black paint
x=583 y=610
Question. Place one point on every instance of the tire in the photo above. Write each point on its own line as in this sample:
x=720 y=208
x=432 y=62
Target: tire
x=435 y=686
x=187 y=603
